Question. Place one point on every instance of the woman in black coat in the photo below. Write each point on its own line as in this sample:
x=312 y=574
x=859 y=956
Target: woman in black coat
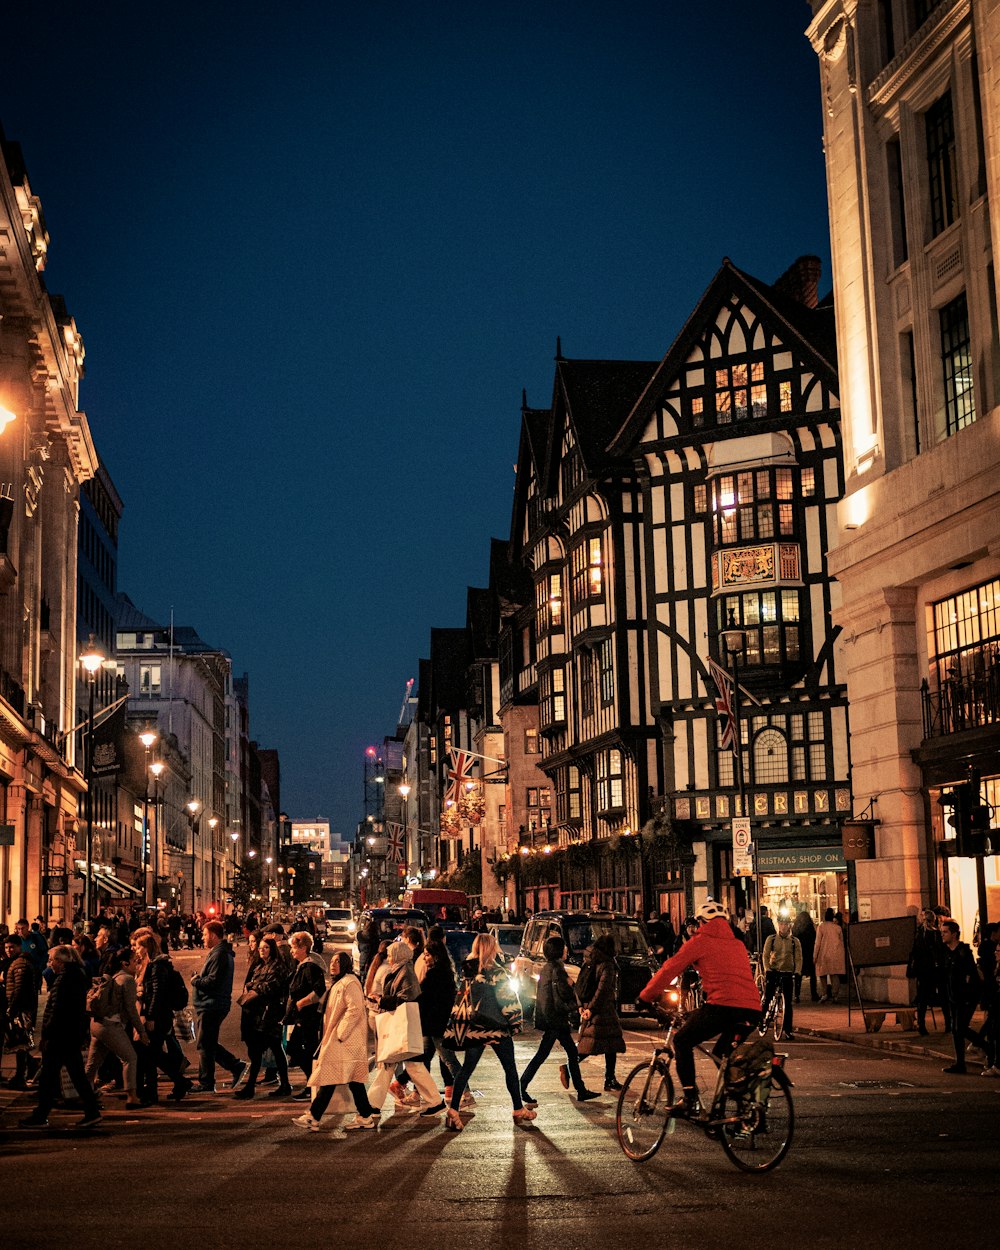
x=597 y=992
x=153 y=973
x=64 y=1026
x=555 y=1014
x=22 y=1002
x=437 y=997
x=263 y=1004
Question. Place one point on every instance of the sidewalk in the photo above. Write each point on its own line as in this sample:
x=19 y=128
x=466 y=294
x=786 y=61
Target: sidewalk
x=831 y=1021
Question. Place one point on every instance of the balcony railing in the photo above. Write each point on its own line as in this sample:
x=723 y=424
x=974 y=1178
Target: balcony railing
x=962 y=703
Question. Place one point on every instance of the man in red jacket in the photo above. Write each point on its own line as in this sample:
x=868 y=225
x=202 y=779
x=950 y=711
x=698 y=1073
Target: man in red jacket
x=733 y=1003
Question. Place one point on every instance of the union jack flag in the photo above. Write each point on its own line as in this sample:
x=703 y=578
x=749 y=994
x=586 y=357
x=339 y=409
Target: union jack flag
x=724 y=706
x=459 y=773
x=396 y=842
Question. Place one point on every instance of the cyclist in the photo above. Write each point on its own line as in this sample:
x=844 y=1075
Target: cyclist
x=733 y=1003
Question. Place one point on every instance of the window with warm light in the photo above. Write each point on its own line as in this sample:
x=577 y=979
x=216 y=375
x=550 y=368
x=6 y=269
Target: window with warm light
x=771 y=621
x=149 y=680
x=756 y=505
x=610 y=782
x=549 y=604
x=965 y=639
x=956 y=361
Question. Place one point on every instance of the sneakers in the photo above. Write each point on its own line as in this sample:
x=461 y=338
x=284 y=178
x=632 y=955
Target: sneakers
x=564 y=1076
x=429 y=1111
x=89 y=1121
x=282 y=1091
x=956 y=1069
x=585 y=1095
x=362 y=1122
x=306 y=1121
x=527 y=1099
x=304 y=1095
x=687 y=1107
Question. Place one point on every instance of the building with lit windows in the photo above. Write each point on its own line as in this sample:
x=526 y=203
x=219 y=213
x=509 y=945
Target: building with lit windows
x=910 y=91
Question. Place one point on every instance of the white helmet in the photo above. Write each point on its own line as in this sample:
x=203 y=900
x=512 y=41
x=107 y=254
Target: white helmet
x=709 y=910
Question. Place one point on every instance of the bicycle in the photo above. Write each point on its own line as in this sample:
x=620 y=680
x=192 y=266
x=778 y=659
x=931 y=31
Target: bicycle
x=753 y=1120
x=774 y=1016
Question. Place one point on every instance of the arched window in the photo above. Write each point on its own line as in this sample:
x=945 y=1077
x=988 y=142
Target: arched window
x=770 y=757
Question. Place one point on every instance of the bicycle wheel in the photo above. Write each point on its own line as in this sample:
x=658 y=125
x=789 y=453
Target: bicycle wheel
x=754 y=1137
x=778 y=1015
x=643 y=1108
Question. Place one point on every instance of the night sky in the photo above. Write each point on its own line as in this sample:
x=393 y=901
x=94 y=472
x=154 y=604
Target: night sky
x=315 y=250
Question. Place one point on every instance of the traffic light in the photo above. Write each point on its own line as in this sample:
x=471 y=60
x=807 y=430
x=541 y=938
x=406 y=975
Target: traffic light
x=970 y=818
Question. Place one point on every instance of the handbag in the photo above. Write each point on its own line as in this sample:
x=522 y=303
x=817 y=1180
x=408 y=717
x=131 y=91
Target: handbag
x=398 y=1035
x=18 y=1033
x=184 y=1025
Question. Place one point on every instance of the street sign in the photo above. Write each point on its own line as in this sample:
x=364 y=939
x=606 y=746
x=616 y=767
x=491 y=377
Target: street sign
x=742 y=847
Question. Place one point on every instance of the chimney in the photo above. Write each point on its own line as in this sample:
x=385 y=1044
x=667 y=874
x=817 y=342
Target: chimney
x=801 y=280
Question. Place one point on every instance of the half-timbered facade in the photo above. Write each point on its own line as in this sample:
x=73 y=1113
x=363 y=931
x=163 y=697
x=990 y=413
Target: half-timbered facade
x=737 y=448
x=578 y=526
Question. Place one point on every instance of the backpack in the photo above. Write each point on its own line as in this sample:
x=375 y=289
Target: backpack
x=749 y=1061
x=177 y=991
x=100 y=997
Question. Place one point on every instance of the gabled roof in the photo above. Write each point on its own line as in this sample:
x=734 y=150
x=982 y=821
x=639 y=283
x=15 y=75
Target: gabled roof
x=809 y=332
x=480 y=622
x=596 y=395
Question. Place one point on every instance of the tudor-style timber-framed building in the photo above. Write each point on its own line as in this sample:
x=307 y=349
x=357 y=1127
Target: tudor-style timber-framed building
x=577 y=524
x=737 y=447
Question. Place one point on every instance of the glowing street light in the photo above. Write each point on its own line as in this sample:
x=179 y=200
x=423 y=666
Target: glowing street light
x=91 y=659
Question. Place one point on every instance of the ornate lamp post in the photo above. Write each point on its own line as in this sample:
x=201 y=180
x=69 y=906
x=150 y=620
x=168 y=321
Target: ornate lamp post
x=213 y=824
x=734 y=640
x=91 y=659
x=147 y=738
x=194 y=807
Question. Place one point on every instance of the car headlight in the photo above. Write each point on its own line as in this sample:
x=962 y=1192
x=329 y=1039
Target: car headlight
x=352 y=926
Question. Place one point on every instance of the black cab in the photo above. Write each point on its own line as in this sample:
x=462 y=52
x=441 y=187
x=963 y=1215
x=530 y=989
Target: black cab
x=382 y=924
x=578 y=929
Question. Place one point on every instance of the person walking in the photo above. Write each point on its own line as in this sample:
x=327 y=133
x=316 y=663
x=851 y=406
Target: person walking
x=925 y=966
x=556 y=1014
x=437 y=997
x=263 y=1004
x=829 y=957
x=804 y=929
x=400 y=986
x=987 y=962
x=112 y=1028
x=962 y=988
x=213 y=1000
x=495 y=1019
x=782 y=964
x=35 y=948
x=153 y=973
x=302 y=1011
x=597 y=993
x=64 y=1026
x=21 y=991
x=342 y=1058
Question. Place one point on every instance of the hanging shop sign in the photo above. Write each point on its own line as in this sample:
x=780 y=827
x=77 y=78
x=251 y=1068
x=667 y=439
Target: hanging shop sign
x=801 y=859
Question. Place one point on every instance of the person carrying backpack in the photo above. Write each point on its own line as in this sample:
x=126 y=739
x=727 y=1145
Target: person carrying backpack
x=733 y=1004
x=114 y=1018
x=157 y=995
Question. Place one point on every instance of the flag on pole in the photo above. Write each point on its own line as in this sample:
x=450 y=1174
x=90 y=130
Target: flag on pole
x=459 y=773
x=724 y=706
x=395 y=846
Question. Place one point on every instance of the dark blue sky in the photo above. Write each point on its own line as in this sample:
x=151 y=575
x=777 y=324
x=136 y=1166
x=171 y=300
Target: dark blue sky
x=315 y=250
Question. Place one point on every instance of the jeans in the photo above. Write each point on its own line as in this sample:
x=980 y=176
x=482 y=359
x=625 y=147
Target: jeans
x=564 y=1037
x=156 y=1054
x=109 y=1037
x=210 y=1052
x=54 y=1059
x=448 y=1060
x=729 y=1024
x=504 y=1051
x=257 y=1043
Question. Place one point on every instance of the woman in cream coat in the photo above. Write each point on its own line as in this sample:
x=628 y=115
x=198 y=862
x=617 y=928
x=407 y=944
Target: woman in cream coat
x=342 y=1058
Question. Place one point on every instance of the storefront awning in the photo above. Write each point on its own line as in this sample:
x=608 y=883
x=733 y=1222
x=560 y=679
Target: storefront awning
x=104 y=879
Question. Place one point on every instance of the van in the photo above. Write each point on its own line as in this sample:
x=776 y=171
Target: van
x=448 y=908
x=578 y=929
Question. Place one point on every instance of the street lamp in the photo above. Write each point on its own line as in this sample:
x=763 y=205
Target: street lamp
x=193 y=807
x=147 y=738
x=91 y=659
x=213 y=824
x=156 y=768
x=734 y=640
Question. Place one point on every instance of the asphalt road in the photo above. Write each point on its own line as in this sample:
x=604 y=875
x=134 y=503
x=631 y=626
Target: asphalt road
x=888 y=1151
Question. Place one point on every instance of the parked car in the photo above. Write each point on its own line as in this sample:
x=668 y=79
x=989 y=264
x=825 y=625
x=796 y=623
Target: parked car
x=381 y=924
x=508 y=938
x=578 y=929
x=340 y=927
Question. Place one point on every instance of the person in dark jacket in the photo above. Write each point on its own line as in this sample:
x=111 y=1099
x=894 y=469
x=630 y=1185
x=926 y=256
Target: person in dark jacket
x=22 y=1003
x=597 y=992
x=213 y=997
x=64 y=1027
x=35 y=948
x=263 y=1004
x=305 y=992
x=925 y=965
x=962 y=988
x=805 y=930
x=153 y=972
x=437 y=997
x=555 y=1014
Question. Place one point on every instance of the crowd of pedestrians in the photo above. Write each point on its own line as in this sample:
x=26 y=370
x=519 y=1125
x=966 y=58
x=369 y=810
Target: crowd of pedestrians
x=119 y=1000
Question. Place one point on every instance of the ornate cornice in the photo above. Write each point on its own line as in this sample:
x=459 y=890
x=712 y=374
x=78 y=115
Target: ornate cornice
x=922 y=47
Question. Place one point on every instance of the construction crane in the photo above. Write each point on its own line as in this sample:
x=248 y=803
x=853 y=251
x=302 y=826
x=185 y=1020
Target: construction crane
x=404 y=720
